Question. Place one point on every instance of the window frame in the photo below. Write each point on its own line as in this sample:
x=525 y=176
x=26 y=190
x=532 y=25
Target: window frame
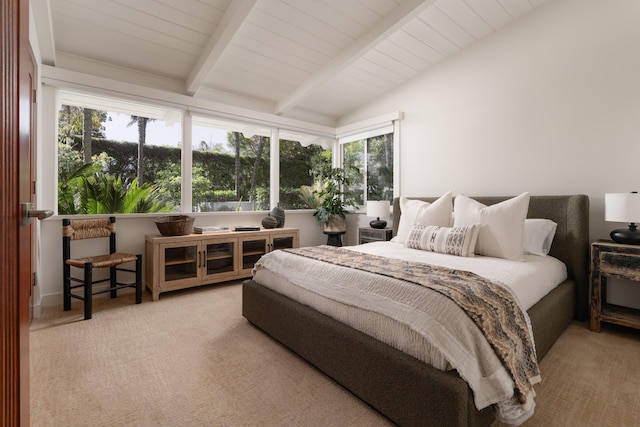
x=51 y=105
x=372 y=129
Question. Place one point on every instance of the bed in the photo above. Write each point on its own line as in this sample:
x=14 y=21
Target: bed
x=406 y=390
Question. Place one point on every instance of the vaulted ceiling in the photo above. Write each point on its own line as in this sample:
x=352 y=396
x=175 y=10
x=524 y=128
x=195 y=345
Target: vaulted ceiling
x=315 y=58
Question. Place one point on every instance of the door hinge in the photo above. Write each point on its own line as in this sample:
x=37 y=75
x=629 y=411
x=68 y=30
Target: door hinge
x=35 y=280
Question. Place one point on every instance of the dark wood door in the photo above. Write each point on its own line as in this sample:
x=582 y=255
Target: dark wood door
x=15 y=184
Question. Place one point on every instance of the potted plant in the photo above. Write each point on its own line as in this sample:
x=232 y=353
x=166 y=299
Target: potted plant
x=330 y=199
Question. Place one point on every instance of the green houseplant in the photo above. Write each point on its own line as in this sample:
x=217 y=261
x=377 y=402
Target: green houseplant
x=330 y=199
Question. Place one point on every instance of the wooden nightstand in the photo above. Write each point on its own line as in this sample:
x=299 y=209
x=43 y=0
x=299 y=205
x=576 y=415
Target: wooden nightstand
x=610 y=259
x=368 y=234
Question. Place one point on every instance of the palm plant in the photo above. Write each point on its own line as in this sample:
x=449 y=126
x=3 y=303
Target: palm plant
x=108 y=194
x=88 y=190
x=71 y=172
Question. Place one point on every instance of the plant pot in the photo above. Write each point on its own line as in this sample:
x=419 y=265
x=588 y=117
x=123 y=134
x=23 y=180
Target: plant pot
x=336 y=224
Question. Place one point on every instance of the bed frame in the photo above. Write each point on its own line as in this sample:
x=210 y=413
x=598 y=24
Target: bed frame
x=404 y=389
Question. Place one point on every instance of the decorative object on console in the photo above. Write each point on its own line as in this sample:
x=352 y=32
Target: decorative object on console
x=175 y=225
x=623 y=207
x=269 y=222
x=210 y=229
x=378 y=209
x=246 y=228
x=278 y=214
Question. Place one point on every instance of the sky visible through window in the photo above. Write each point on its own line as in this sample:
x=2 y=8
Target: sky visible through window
x=158 y=133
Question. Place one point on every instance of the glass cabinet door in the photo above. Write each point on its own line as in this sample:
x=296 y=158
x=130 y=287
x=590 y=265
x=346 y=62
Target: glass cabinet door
x=252 y=250
x=219 y=257
x=282 y=242
x=180 y=262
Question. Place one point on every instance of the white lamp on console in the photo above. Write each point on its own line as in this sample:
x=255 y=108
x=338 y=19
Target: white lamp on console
x=378 y=209
x=623 y=207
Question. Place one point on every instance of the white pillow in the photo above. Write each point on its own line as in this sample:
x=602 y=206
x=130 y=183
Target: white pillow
x=459 y=241
x=538 y=236
x=412 y=211
x=501 y=225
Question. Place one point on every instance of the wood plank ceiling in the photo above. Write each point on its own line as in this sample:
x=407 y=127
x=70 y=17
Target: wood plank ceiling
x=320 y=58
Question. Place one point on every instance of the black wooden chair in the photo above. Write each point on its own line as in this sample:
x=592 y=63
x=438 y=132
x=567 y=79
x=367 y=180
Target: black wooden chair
x=92 y=229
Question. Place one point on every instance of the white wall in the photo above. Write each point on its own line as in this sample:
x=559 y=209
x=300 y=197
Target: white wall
x=550 y=105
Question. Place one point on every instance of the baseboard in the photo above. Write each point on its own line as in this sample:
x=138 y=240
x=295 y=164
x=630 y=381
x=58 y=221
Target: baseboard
x=36 y=309
x=51 y=300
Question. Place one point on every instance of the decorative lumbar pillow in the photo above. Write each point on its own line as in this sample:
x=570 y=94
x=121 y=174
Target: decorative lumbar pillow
x=416 y=211
x=538 y=236
x=501 y=225
x=459 y=241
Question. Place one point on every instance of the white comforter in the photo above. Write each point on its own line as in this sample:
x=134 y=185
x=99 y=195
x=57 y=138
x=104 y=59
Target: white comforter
x=529 y=280
x=403 y=316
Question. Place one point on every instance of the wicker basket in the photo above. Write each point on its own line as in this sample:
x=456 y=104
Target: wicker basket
x=175 y=225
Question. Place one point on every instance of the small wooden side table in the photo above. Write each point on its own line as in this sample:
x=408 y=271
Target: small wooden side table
x=610 y=259
x=368 y=234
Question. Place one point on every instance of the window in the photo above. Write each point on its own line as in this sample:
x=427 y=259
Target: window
x=117 y=156
x=122 y=156
x=230 y=166
x=368 y=160
x=301 y=158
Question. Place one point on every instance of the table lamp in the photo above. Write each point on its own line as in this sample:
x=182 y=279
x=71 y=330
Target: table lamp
x=378 y=209
x=623 y=207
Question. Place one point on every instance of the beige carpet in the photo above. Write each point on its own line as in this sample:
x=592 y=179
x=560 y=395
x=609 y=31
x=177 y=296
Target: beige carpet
x=191 y=359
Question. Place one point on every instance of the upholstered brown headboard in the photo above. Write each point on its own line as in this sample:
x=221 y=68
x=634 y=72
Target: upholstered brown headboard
x=570 y=244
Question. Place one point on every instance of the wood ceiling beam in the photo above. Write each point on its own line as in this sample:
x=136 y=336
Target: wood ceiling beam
x=220 y=39
x=379 y=32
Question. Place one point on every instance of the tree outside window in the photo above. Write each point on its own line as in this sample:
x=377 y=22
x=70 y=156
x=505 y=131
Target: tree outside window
x=230 y=166
x=369 y=162
x=302 y=157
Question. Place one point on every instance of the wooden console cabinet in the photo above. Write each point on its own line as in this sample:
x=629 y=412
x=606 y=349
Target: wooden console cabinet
x=178 y=262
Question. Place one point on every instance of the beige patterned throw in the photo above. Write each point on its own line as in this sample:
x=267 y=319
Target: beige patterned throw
x=490 y=306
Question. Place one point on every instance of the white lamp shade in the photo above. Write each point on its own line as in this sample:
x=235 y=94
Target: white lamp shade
x=378 y=208
x=622 y=207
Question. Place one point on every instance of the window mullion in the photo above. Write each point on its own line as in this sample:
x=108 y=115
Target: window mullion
x=186 y=163
x=274 y=168
x=365 y=182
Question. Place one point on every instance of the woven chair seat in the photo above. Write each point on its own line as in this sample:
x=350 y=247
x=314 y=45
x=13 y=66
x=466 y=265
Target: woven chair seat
x=102 y=261
x=102 y=229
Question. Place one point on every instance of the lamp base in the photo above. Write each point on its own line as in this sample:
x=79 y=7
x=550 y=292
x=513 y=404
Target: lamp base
x=381 y=223
x=627 y=236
